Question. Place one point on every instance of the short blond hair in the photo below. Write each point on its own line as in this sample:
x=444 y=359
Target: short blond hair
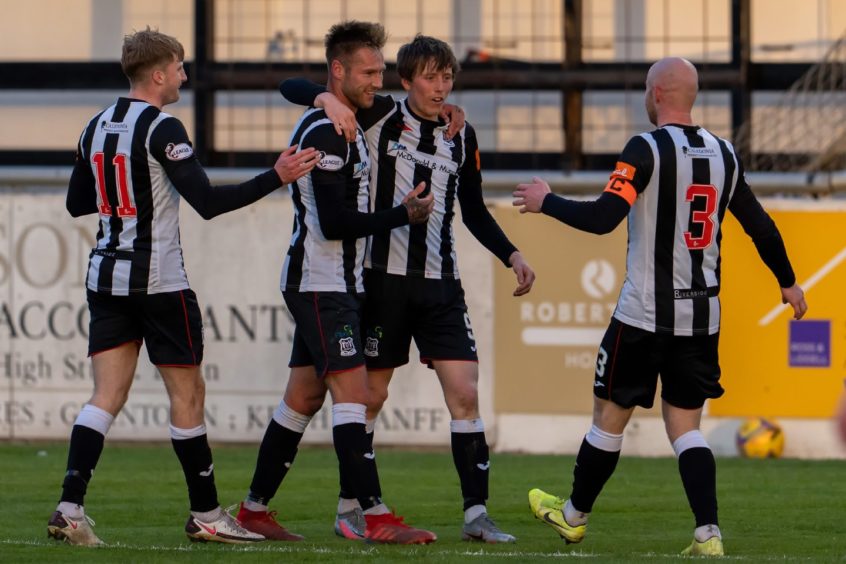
x=146 y=49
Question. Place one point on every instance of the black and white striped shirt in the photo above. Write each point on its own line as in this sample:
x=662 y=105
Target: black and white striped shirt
x=133 y=164
x=675 y=184
x=406 y=150
x=138 y=241
x=323 y=256
x=680 y=181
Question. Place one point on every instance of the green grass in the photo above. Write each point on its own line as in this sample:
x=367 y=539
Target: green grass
x=770 y=510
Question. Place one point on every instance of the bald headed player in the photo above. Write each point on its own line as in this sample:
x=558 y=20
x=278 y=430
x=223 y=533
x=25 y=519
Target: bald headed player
x=674 y=184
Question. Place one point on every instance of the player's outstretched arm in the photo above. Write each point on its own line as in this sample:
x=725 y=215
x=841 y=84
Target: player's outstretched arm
x=524 y=272
x=529 y=197
x=796 y=298
x=170 y=146
x=600 y=216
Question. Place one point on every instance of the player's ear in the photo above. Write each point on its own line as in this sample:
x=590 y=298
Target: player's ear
x=405 y=84
x=337 y=69
x=158 y=76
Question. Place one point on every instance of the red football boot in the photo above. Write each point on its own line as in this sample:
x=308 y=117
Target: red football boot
x=389 y=528
x=264 y=523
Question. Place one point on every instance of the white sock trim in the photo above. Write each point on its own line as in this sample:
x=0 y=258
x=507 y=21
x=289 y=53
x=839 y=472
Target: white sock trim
x=467 y=425
x=691 y=439
x=343 y=413
x=346 y=505
x=705 y=532
x=71 y=509
x=209 y=516
x=290 y=419
x=250 y=505
x=182 y=434
x=380 y=509
x=472 y=513
x=95 y=418
x=573 y=516
x=602 y=440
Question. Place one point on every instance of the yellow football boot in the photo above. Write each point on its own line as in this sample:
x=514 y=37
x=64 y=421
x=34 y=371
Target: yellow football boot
x=549 y=509
x=711 y=547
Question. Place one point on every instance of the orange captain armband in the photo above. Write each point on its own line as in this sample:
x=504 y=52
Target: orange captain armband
x=620 y=182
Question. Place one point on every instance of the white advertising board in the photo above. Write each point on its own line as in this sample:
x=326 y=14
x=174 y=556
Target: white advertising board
x=233 y=264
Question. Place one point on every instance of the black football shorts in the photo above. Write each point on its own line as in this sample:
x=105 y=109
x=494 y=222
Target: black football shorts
x=431 y=311
x=328 y=330
x=169 y=323
x=630 y=360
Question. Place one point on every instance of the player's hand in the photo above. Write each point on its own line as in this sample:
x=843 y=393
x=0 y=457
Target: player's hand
x=796 y=298
x=453 y=115
x=340 y=115
x=419 y=208
x=530 y=196
x=524 y=272
x=292 y=164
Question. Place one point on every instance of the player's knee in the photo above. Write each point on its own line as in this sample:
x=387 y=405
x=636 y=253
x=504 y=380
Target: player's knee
x=307 y=406
x=111 y=400
x=376 y=399
x=465 y=402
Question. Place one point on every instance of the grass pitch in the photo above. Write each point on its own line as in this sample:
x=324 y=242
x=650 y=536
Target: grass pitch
x=770 y=510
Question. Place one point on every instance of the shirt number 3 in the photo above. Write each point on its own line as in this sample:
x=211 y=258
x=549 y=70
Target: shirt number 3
x=703 y=217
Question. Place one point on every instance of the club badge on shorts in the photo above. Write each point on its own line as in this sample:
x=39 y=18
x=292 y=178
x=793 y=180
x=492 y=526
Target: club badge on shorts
x=371 y=347
x=347 y=346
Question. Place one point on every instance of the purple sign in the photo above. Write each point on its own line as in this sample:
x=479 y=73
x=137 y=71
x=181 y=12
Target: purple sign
x=810 y=344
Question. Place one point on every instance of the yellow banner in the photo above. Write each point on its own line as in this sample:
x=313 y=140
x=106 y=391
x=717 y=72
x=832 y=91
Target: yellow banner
x=770 y=365
x=546 y=342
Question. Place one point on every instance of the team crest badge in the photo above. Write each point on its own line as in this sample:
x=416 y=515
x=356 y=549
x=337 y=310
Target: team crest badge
x=371 y=347
x=347 y=346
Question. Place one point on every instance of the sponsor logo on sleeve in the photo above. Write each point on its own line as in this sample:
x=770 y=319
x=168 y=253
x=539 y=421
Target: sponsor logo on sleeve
x=178 y=151
x=330 y=162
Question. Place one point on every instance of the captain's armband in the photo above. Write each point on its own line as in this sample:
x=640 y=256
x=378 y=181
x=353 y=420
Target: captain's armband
x=620 y=182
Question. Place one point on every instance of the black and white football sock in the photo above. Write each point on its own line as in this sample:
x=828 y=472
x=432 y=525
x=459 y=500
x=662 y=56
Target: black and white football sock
x=276 y=455
x=192 y=449
x=356 y=458
x=346 y=500
x=471 y=457
x=698 y=471
x=86 y=445
x=595 y=464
